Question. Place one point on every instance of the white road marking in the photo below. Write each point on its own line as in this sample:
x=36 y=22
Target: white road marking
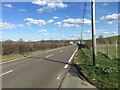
x=49 y=55
x=66 y=66
x=72 y=55
x=61 y=51
x=12 y=60
x=71 y=58
x=58 y=77
x=6 y=72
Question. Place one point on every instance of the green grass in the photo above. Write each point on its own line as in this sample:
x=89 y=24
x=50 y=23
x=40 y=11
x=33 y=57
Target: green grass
x=108 y=50
x=17 y=56
x=11 y=57
x=104 y=74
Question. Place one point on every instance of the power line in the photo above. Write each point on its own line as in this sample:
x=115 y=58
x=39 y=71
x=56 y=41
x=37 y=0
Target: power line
x=83 y=20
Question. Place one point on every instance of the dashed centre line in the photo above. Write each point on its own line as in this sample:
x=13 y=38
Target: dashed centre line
x=61 y=51
x=49 y=55
x=58 y=77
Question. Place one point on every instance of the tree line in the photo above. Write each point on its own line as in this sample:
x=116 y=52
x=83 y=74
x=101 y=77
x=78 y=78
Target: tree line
x=20 y=47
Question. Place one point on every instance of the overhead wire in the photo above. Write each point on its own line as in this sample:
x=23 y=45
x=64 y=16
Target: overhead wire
x=84 y=12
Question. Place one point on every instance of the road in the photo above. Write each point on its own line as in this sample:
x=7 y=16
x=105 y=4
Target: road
x=46 y=70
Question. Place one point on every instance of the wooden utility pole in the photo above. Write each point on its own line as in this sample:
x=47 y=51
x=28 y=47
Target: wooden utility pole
x=93 y=32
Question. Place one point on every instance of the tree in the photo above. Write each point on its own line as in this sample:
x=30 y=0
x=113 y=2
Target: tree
x=100 y=39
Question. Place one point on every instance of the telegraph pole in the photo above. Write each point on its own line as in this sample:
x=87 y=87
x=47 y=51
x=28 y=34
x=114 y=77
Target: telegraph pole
x=93 y=32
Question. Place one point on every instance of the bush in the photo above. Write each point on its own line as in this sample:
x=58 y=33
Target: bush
x=20 y=47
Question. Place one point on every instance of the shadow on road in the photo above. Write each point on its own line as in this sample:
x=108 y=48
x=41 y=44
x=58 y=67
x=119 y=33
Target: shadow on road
x=50 y=60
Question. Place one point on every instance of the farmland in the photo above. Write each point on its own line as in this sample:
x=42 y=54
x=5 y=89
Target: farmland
x=111 y=51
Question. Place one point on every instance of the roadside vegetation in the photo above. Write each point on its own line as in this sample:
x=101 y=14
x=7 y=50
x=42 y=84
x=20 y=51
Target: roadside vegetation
x=104 y=75
x=19 y=49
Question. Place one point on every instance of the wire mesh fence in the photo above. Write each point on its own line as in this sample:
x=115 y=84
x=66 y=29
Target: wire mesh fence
x=109 y=50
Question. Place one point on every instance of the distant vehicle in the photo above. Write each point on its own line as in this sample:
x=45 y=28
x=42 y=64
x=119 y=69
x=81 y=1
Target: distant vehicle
x=71 y=42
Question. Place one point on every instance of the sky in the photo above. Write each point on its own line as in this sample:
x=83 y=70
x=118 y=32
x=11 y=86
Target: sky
x=41 y=20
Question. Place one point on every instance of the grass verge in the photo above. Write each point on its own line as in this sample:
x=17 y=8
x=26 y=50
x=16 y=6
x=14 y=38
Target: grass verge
x=104 y=74
x=18 y=56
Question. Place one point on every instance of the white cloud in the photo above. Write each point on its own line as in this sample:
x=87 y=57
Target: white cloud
x=50 y=21
x=34 y=21
x=56 y=5
x=8 y=5
x=49 y=5
x=72 y=22
x=55 y=17
x=43 y=30
x=76 y=21
x=58 y=23
x=68 y=25
x=114 y=32
x=7 y=26
x=40 y=2
x=110 y=19
x=30 y=21
x=22 y=10
x=106 y=32
x=88 y=31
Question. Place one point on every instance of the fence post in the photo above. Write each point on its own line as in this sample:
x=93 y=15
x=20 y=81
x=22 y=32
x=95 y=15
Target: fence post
x=116 y=50
x=108 y=49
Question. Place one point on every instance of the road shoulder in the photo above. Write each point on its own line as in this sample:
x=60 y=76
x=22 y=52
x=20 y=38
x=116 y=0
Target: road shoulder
x=72 y=80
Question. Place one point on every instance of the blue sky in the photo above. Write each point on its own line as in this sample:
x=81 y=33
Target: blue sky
x=36 y=21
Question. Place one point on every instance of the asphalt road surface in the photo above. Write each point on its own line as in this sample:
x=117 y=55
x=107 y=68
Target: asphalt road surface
x=46 y=70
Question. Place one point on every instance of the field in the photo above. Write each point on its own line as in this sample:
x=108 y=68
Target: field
x=109 y=50
x=104 y=74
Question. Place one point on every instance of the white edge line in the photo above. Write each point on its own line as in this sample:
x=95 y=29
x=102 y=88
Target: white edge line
x=12 y=60
x=66 y=66
x=6 y=72
x=72 y=55
x=71 y=58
